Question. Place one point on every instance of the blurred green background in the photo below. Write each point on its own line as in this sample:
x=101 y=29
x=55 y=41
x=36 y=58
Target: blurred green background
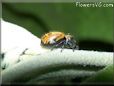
x=91 y=27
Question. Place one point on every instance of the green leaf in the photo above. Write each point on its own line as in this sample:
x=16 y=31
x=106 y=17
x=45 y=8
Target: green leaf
x=104 y=76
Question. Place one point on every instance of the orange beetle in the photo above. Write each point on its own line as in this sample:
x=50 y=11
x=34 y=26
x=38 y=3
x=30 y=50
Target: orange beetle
x=58 y=40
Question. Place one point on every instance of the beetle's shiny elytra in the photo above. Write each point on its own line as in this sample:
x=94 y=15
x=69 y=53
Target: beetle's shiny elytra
x=58 y=40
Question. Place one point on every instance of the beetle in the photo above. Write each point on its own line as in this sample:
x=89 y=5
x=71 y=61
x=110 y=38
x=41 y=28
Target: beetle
x=58 y=40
